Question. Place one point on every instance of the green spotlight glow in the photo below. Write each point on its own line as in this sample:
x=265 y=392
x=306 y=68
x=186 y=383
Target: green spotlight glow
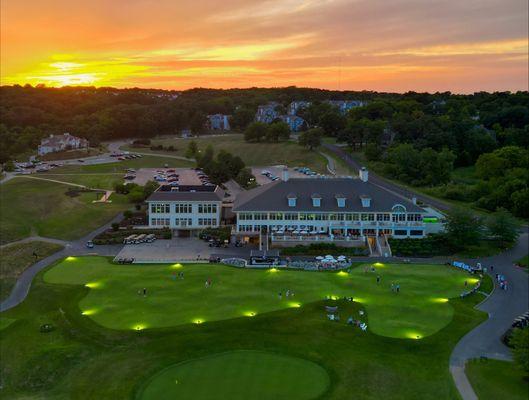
x=198 y=321
x=273 y=270
x=70 y=258
x=343 y=273
x=93 y=285
x=250 y=313
x=176 y=266
x=294 y=305
x=89 y=312
x=440 y=300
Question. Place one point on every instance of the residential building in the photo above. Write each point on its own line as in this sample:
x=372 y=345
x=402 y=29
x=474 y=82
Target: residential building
x=219 y=122
x=306 y=210
x=294 y=122
x=267 y=113
x=55 y=143
x=296 y=106
x=345 y=105
x=185 y=208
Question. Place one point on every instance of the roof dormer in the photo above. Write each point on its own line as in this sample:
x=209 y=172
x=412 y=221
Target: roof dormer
x=316 y=200
x=340 y=200
x=292 y=199
x=366 y=200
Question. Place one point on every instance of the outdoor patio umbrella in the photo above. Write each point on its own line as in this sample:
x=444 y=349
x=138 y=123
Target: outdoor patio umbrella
x=319 y=258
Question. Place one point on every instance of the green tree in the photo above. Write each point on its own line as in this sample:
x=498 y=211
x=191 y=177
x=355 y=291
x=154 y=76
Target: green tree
x=332 y=122
x=197 y=123
x=255 y=132
x=503 y=227
x=520 y=348
x=463 y=228
x=278 y=131
x=311 y=138
x=205 y=160
x=192 y=149
x=373 y=152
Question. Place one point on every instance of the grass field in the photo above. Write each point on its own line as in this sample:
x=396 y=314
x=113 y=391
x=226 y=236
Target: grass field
x=524 y=261
x=419 y=310
x=81 y=359
x=30 y=206
x=494 y=379
x=253 y=154
x=15 y=258
x=240 y=375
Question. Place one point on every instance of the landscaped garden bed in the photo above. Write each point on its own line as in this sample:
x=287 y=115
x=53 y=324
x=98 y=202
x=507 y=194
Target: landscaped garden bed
x=317 y=249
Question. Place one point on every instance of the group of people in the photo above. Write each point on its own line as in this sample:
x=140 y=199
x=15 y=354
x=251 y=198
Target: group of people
x=395 y=287
x=501 y=281
x=288 y=293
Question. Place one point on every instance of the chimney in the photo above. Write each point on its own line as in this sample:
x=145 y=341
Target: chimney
x=414 y=200
x=285 y=174
x=363 y=174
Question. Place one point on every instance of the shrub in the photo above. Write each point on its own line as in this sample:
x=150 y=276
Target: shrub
x=115 y=226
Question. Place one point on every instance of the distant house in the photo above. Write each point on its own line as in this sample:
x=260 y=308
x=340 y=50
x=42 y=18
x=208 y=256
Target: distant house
x=267 y=113
x=296 y=106
x=219 y=122
x=294 y=122
x=55 y=143
x=345 y=105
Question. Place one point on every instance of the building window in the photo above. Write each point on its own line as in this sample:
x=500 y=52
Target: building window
x=291 y=217
x=401 y=232
x=182 y=208
x=415 y=217
x=276 y=216
x=160 y=221
x=260 y=216
x=207 y=208
x=160 y=208
x=416 y=233
x=245 y=216
x=183 y=222
x=207 y=221
x=321 y=217
x=383 y=217
x=398 y=217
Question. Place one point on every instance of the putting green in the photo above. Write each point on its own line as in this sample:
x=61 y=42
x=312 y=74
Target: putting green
x=243 y=375
x=115 y=299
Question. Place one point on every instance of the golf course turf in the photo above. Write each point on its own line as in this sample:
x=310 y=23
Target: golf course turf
x=81 y=359
x=114 y=293
x=239 y=375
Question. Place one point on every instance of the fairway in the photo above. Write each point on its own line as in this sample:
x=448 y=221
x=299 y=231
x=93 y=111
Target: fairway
x=36 y=207
x=253 y=154
x=239 y=375
x=115 y=298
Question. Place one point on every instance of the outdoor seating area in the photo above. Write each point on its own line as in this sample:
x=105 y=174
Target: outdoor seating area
x=309 y=233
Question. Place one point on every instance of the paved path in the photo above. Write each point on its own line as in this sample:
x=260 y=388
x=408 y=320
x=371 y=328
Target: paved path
x=36 y=238
x=502 y=307
x=384 y=183
x=53 y=180
x=331 y=167
x=78 y=247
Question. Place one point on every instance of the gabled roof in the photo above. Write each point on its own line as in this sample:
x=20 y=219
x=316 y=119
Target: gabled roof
x=274 y=196
x=187 y=195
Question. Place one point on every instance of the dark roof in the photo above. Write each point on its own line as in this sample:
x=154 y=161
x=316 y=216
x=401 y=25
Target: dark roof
x=162 y=194
x=273 y=196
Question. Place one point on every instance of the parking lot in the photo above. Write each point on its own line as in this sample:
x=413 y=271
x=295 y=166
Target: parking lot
x=176 y=249
x=184 y=176
x=276 y=172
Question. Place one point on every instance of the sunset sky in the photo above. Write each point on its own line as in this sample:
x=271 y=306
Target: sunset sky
x=385 y=45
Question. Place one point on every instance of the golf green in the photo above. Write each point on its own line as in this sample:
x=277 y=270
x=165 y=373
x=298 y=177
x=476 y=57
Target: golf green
x=115 y=299
x=244 y=375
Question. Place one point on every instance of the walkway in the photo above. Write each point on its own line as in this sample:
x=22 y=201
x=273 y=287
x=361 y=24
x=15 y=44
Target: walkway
x=36 y=238
x=502 y=307
x=77 y=247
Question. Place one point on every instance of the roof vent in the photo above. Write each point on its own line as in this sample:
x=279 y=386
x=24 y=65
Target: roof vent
x=363 y=174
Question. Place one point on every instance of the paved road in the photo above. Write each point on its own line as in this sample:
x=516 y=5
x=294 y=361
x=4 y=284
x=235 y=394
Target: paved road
x=502 y=307
x=384 y=183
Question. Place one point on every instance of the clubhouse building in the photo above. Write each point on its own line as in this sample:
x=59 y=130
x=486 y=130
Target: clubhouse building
x=185 y=208
x=348 y=211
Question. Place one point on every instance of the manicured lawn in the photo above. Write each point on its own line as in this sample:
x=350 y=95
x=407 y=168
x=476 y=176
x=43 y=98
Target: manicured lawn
x=30 y=206
x=243 y=375
x=81 y=359
x=95 y=180
x=15 y=258
x=420 y=309
x=5 y=322
x=494 y=379
x=253 y=154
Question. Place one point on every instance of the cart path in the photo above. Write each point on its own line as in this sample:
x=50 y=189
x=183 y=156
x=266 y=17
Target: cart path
x=73 y=248
x=36 y=238
x=502 y=308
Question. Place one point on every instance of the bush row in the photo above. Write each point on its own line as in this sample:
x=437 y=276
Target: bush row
x=316 y=249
